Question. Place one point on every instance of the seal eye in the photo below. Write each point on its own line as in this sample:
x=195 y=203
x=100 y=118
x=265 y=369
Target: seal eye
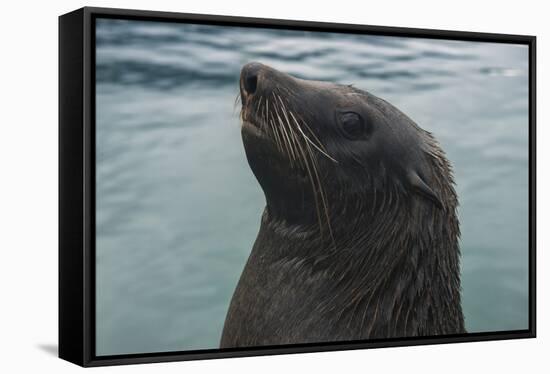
x=352 y=125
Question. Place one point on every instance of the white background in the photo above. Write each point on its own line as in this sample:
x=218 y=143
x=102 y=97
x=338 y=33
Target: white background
x=28 y=184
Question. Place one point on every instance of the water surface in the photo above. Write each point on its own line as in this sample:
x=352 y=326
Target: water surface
x=178 y=208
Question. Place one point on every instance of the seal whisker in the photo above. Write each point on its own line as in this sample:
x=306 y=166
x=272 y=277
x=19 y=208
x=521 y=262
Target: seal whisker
x=265 y=114
x=316 y=173
x=293 y=135
x=273 y=130
x=275 y=135
x=309 y=140
x=290 y=150
x=313 y=187
x=321 y=191
x=258 y=107
x=323 y=151
x=286 y=110
x=312 y=134
x=276 y=130
x=290 y=133
x=284 y=138
x=309 y=168
x=237 y=102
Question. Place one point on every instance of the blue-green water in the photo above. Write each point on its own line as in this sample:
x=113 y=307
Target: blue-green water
x=178 y=207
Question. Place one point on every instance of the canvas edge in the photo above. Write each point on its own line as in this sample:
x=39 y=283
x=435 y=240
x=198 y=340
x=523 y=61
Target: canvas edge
x=71 y=259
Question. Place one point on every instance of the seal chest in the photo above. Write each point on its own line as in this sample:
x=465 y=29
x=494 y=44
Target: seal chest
x=359 y=236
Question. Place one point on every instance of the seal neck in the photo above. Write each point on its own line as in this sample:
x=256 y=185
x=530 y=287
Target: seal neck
x=403 y=268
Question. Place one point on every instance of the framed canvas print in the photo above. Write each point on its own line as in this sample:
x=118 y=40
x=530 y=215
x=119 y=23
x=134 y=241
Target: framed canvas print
x=237 y=186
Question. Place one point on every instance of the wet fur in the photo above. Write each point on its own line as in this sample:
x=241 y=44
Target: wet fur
x=378 y=259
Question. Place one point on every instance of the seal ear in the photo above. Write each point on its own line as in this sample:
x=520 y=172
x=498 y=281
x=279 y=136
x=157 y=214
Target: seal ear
x=421 y=187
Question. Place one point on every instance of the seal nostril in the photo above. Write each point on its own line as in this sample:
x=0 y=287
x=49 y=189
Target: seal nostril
x=251 y=83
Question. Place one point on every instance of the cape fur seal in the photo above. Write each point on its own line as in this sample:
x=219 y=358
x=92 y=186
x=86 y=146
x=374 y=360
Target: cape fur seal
x=359 y=236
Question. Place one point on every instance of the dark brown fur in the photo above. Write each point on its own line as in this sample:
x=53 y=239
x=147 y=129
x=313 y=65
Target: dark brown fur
x=366 y=248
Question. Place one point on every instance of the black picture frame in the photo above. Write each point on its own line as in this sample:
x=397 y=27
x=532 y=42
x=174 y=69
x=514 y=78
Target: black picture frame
x=77 y=185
